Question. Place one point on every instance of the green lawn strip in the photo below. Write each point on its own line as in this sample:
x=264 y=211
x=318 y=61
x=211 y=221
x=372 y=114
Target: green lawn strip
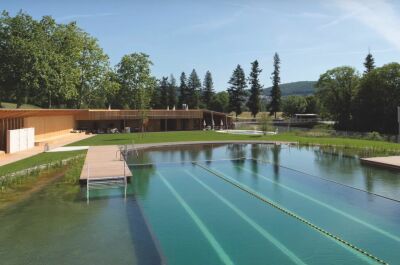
x=40 y=159
x=33 y=183
x=158 y=137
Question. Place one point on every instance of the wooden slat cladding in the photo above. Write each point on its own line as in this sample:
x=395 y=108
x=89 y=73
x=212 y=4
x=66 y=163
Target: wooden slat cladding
x=8 y=124
x=22 y=113
x=136 y=114
x=92 y=114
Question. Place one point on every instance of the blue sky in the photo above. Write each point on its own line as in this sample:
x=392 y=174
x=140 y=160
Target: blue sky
x=311 y=36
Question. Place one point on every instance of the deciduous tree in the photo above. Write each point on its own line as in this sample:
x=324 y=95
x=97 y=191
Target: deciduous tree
x=336 y=90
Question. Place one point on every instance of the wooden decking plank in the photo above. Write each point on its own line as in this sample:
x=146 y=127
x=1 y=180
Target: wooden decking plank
x=104 y=163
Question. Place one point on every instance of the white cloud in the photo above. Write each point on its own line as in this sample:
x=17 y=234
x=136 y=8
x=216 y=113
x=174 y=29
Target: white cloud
x=379 y=15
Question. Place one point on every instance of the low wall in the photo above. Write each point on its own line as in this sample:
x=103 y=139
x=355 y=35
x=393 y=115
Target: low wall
x=48 y=127
x=20 y=139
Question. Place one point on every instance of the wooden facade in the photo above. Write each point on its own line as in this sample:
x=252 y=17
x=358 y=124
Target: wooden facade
x=52 y=123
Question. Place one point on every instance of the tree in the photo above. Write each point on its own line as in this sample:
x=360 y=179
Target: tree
x=19 y=56
x=49 y=64
x=164 y=93
x=336 y=90
x=208 y=90
x=92 y=65
x=254 y=100
x=172 y=91
x=375 y=105
x=236 y=90
x=264 y=123
x=369 y=63
x=294 y=104
x=194 y=90
x=275 y=104
x=110 y=89
x=137 y=83
x=220 y=102
x=66 y=43
x=183 y=90
x=312 y=104
x=155 y=102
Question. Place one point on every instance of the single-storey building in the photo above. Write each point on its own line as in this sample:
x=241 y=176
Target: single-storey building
x=48 y=124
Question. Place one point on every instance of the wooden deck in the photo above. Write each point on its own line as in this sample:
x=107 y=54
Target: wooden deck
x=104 y=163
x=386 y=161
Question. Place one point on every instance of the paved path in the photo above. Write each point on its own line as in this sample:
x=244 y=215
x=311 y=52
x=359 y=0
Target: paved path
x=386 y=161
x=104 y=163
x=54 y=143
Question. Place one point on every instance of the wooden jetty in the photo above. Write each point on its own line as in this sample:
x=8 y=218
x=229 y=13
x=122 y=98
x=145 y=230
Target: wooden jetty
x=104 y=163
x=392 y=162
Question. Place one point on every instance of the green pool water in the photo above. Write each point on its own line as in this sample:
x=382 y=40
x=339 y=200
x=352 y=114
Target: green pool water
x=275 y=205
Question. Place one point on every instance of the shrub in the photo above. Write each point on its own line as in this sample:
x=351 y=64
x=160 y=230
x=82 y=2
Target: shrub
x=374 y=136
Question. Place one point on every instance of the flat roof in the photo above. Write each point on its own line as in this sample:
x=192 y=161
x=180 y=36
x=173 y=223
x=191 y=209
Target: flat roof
x=82 y=114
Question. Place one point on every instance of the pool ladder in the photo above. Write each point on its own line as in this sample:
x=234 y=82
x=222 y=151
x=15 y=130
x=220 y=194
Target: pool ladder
x=105 y=183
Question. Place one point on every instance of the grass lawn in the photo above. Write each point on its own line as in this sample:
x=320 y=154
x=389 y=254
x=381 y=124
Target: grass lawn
x=36 y=160
x=158 y=137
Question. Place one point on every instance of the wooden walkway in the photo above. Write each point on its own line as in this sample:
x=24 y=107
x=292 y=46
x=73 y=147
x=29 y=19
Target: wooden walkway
x=386 y=161
x=104 y=163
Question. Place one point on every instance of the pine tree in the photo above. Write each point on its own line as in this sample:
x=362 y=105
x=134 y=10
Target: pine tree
x=236 y=91
x=183 y=90
x=172 y=91
x=194 y=90
x=275 y=104
x=164 y=92
x=369 y=63
x=254 y=100
x=208 y=90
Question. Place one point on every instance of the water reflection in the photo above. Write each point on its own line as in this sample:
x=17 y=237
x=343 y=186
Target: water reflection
x=237 y=151
x=340 y=165
x=276 y=150
x=208 y=154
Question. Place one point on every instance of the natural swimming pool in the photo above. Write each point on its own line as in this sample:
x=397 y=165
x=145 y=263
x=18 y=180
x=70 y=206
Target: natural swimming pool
x=238 y=204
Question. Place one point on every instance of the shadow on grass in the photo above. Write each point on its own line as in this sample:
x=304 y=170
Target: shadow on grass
x=115 y=139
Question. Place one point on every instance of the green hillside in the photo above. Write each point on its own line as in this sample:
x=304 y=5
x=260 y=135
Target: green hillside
x=7 y=105
x=302 y=88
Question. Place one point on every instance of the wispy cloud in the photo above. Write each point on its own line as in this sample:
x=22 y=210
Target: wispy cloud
x=212 y=24
x=78 y=16
x=379 y=16
x=261 y=8
x=312 y=15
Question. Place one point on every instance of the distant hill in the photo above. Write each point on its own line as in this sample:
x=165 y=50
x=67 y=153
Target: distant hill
x=302 y=88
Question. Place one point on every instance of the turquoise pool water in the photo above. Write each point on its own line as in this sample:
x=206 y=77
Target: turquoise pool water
x=275 y=205
x=205 y=212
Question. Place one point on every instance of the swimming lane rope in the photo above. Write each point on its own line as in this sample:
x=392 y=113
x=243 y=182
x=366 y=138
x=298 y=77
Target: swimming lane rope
x=291 y=214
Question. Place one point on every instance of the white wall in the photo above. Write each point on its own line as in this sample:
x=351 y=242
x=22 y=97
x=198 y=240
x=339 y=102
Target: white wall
x=20 y=139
